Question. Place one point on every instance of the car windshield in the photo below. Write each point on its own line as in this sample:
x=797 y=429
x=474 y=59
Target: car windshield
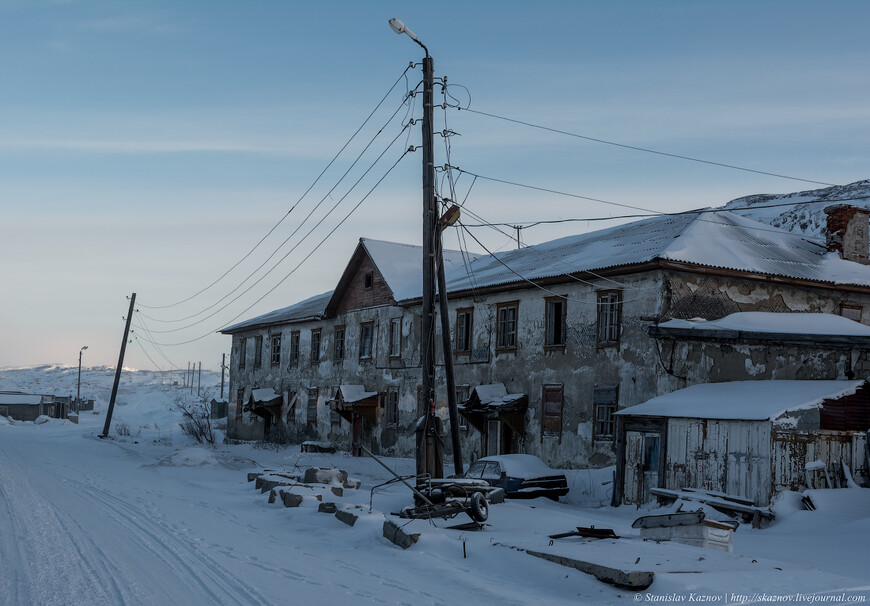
x=476 y=470
x=492 y=471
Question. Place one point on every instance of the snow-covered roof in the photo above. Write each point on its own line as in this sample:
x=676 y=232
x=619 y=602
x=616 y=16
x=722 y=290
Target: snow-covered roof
x=309 y=309
x=496 y=395
x=713 y=239
x=401 y=265
x=264 y=394
x=355 y=393
x=769 y=322
x=743 y=400
x=10 y=398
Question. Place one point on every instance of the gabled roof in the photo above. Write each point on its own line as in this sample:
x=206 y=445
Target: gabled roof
x=719 y=239
x=309 y=309
x=743 y=400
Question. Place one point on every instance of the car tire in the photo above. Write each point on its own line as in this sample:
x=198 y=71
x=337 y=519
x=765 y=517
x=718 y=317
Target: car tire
x=478 y=507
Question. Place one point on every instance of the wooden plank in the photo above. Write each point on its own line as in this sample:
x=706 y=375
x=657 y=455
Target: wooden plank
x=630 y=579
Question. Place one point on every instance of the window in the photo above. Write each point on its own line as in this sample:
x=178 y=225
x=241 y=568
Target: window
x=258 y=352
x=555 y=322
x=368 y=281
x=463 y=330
x=243 y=352
x=294 y=348
x=552 y=425
x=506 y=330
x=240 y=402
x=315 y=345
x=338 y=345
x=395 y=337
x=393 y=407
x=311 y=416
x=609 y=307
x=852 y=312
x=365 y=340
x=276 y=350
x=463 y=392
x=604 y=401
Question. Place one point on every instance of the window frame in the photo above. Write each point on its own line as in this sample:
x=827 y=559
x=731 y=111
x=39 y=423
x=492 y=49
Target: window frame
x=610 y=407
x=243 y=352
x=608 y=317
x=549 y=338
x=363 y=327
x=258 y=351
x=309 y=408
x=464 y=334
x=852 y=308
x=463 y=392
x=240 y=402
x=391 y=413
x=552 y=424
x=500 y=346
x=294 y=348
x=338 y=345
x=315 y=350
x=396 y=337
x=275 y=349
x=369 y=280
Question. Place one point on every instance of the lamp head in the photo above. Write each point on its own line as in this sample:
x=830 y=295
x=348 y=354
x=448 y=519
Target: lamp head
x=400 y=28
x=84 y=348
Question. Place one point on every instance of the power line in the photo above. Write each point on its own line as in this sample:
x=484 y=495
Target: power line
x=641 y=149
x=298 y=227
x=295 y=246
x=323 y=241
x=274 y=227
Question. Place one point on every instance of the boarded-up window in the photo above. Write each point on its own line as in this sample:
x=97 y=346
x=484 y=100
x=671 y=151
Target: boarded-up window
x=311 y=416
x=552 y=423
x=604 y=400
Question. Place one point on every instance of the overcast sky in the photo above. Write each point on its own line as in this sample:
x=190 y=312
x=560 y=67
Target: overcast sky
x=148 y=146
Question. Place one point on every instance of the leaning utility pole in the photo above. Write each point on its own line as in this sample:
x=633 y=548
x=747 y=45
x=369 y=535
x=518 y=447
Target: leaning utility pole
x=118 y=369
x=223 y=370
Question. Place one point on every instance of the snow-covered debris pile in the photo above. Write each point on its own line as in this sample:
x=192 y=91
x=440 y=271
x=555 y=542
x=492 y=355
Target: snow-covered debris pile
x=191 y=457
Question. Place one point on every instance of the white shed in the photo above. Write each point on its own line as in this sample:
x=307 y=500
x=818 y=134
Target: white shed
x=746 y=438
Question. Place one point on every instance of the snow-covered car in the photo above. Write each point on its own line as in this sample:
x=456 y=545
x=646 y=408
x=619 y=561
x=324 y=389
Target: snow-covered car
x=522 y=476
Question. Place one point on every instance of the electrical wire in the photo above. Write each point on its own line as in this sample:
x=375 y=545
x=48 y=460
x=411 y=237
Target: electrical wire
x=295 y=231
x=291 y=272
x=640 y=149
x=274 y=227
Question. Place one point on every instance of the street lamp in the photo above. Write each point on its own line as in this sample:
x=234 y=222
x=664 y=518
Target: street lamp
x=428 y=453
x=79 y=390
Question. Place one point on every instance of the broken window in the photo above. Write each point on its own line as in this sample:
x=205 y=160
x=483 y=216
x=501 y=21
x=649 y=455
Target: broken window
x=604 y=401
x=368 y=281
x=852 y=312
x=552 y=424
x=338 y=346
x=555 y=322
x=315 y=345
x=366 y=331
x=276 y=350
x=609 y=308
x=506 y=329
x=463 y=330
x=395 y=337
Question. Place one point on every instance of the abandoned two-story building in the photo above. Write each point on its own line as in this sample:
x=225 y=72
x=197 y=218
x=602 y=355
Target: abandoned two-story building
x=551 y=340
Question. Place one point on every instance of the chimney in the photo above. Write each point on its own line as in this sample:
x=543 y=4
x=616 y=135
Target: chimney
x=847 y=232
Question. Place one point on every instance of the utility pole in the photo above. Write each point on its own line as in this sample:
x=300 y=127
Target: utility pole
x=429 y=449
x=199 y=380
x=118 y=369
x=223 y=369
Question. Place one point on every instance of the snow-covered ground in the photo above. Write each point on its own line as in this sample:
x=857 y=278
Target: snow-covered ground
x=154 y=518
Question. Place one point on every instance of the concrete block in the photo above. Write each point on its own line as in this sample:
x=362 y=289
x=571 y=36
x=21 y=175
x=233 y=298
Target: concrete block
x=327 y=508
x=399 y=537
x=272 y=496
x=346 y=517
x=630 y=579
x=253 y=476
x=337 y=491
x=290 y=499
x=325 y=475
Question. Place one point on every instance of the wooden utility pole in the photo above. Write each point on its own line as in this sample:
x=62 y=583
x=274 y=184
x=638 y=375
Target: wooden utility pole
x=199 y=380
x=118 y=369
x=428 y=459
x=223 y=369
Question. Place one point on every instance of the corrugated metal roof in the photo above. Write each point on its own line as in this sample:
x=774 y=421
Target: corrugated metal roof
x=304 y=310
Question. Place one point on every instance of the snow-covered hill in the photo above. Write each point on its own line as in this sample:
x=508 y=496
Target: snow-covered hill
x=803 y=211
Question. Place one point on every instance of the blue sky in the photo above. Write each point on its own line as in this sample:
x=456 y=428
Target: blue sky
x=147 y=146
